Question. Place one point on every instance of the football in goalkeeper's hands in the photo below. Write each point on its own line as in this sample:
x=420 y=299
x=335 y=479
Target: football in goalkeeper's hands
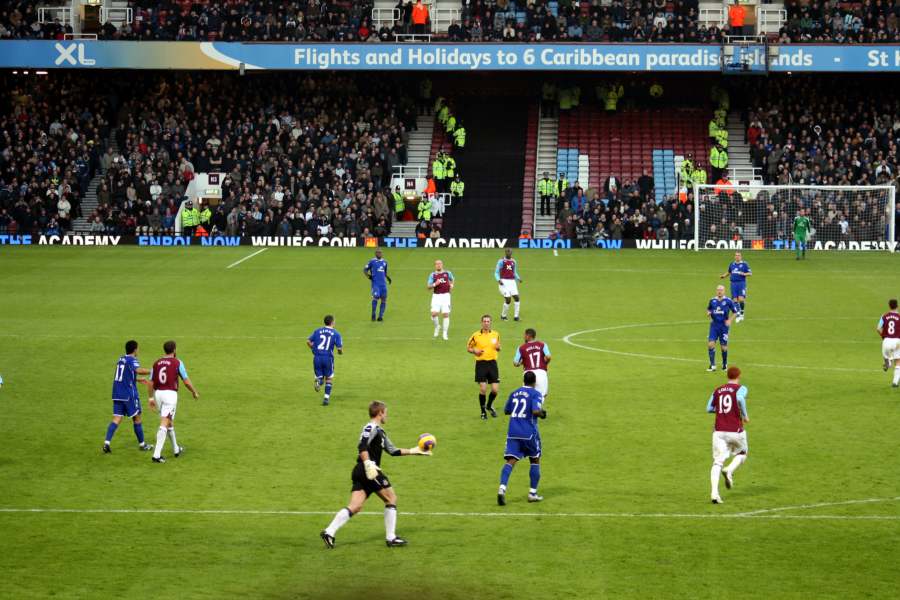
x=427 y=442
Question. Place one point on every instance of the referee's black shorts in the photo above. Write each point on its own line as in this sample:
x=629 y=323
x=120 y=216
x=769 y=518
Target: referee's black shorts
x=369 y=486
x=486 y=371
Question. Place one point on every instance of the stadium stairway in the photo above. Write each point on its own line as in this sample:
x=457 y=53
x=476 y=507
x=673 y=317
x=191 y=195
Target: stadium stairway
x=739 y=161
x=89 y=203
x=420 y=141
x=491 y=166
x=547 y=145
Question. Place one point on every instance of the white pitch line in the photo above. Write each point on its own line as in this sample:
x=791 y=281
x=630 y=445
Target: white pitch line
x=568 y=340
x=817 y=505
x=500 y=514
x=236 y=263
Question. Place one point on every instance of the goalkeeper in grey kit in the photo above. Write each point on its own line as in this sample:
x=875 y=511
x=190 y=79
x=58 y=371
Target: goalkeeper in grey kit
x=368 y=478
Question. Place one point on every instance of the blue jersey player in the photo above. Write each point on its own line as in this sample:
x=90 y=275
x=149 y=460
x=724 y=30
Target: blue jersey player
x=323 y=342
x=524 y=407
x=126 y=401
x=719 y=310
x=738 y=271
x=377 y=270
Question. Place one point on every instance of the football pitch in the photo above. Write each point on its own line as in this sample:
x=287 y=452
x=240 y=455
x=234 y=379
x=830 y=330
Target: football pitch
x=815 y=511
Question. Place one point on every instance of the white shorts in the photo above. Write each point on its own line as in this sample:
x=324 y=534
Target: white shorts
x=541 y=384
x=890 y=348
x=509 y=287
x=440 y=303
x=726 y=444
x=167 y=401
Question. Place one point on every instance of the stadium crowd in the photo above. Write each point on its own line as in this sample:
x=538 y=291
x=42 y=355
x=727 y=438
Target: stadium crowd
x=309 y=156
x=873 y=21
x=627 y=211
x=52 y=133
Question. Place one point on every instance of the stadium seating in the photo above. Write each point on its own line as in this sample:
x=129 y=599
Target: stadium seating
x=622 y=144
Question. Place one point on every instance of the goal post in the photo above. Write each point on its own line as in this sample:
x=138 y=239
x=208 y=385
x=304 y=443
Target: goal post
x=757 y=216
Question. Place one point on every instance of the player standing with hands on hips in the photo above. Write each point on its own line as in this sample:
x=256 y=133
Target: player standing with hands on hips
x=376 y=270
x=507 y=275
x=719 y=310
x=534 y=357
x=889 y=330
x=738 y=272
x=163 y=387
x=368 y=478
x=441 y=283
x=729 y=403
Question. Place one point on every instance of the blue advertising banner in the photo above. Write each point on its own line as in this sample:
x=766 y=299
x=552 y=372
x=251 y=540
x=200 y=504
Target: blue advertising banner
x=41 y=54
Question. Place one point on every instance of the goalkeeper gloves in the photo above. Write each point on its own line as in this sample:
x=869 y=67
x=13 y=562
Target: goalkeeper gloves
x=371 y=469
x=417 y=450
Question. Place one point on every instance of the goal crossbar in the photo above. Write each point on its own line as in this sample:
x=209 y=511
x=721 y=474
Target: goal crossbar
x=762 y=216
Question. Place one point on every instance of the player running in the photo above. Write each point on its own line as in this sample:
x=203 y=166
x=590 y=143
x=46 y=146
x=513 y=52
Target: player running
x=802 y=231
x=485 y=344
x=729 y=403
x=524 y=407
x=507 y=275
x=738 y=271
x=126 y=401
x=719 y=310
x=163 y=387
x=323 y=342
x=377 y=271
x=534 y=356
x=368 y=478
x=441 y=283
x=889 y=330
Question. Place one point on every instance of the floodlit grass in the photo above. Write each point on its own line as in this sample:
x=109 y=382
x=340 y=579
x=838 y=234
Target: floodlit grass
x=627 y=441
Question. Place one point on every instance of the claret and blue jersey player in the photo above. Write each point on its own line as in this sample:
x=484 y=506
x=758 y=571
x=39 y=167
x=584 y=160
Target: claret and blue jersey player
x=507 y=275
x=738 y=272
x=719 y=310
x=126 y=401
x=524 y=407
x=323 y=342
x=729 y=403
x=377 y=271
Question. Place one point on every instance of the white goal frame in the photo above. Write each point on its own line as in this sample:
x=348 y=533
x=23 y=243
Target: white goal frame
x=885 y=240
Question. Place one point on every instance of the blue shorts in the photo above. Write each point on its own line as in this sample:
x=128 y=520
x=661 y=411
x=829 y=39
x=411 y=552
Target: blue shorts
x=379 y=291
x=323 y=366
x=127 y=408
x=718 y=333
x=739 y=290
x=519 y=448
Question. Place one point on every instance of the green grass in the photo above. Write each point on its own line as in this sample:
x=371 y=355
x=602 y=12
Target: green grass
x=627 y=439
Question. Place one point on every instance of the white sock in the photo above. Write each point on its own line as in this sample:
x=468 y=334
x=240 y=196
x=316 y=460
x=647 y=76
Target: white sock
x=736 y=462
x=446 y=324
x=532 y=491
x=505 y=310
x=339 y=520
x=390 y=522
x=175 y=446
x=502 y=489
x=517 y=310
x=160 y=440
x=714 y=475
x=436 y=321
x=897 y=374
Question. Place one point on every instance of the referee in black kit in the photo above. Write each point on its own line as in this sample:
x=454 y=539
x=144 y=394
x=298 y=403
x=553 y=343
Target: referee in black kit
x=368 y=478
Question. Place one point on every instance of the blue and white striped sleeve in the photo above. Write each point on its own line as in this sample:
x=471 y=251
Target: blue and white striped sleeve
x=546 y=350
x=516 y=271
x=880 y=322
x=182 y=371
x=517 y=358
x=431 y=279
x=709 y=405
x=497 y=269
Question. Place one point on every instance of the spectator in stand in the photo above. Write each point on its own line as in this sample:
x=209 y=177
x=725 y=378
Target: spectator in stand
x=419 y=17
x=737 y=14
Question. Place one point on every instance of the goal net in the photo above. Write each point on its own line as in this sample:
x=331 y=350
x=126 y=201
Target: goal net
x=762 y=216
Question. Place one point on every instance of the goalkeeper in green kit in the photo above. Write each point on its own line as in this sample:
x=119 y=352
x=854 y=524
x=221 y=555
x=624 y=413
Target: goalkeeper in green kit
x=802 y=232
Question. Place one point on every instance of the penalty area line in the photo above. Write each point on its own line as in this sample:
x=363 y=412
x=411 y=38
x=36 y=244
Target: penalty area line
x=761 y=514
x=237 y=262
